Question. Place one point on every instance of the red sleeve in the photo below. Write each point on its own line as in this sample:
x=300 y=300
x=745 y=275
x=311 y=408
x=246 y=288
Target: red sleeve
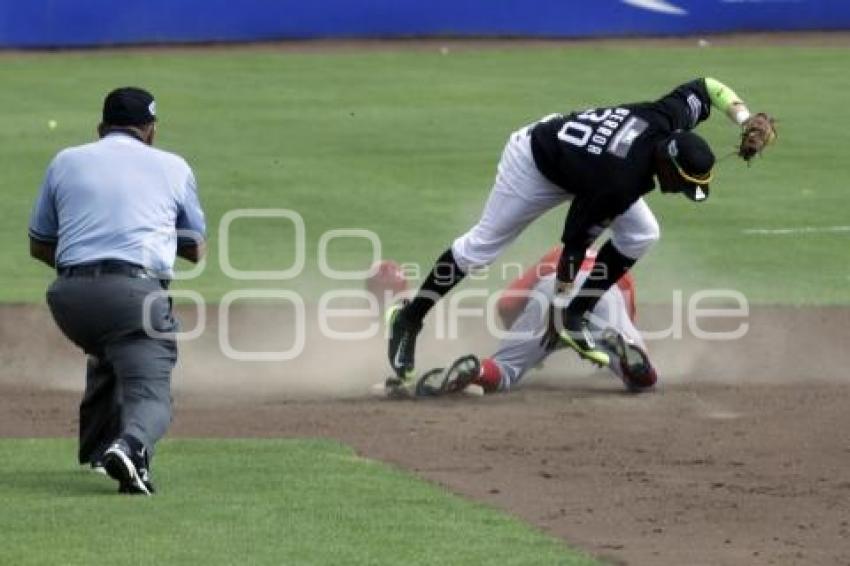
x=515 y=296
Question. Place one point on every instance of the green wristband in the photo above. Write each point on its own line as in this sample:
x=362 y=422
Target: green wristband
x=721 y=96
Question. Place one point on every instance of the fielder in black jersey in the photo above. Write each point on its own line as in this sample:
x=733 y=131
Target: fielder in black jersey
x=602 y=161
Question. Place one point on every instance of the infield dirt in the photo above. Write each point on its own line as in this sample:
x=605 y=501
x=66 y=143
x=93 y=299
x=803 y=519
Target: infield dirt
x=740 y=457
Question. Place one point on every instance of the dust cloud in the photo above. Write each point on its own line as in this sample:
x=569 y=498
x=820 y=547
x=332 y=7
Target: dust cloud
x=782 y=345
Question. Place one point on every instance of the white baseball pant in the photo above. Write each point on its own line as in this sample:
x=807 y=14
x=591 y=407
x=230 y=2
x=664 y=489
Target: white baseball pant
x=521 y=194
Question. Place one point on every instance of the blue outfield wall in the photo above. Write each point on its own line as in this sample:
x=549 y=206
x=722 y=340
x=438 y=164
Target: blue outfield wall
x=68 y=23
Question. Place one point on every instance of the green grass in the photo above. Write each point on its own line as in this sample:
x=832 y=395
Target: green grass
x=405 y=143
x=249 y=502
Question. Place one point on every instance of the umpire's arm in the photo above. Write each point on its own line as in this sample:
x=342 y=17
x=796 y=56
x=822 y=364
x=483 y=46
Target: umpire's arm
x=192 y=250
x=44 y=222
x=43 y=251
x=191 y=225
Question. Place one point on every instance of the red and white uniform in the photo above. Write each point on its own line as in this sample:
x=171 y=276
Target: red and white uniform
x=523 y=308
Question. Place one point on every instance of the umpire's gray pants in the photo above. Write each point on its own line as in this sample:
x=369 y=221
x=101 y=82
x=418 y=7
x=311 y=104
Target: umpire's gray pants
x=128 y=380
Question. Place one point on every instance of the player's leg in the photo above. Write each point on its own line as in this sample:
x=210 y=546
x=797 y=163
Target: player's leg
x=629 y=290
x=519 y=195
x=633 y=234
x=521 y=350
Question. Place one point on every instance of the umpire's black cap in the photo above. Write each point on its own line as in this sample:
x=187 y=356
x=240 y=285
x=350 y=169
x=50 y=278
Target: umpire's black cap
x=129 y=106
x=694 y=161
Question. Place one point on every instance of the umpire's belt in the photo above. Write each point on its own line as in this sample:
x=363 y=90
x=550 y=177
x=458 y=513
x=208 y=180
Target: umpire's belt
x=108 y=267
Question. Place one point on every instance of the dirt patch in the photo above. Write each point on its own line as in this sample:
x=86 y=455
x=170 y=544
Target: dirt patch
x=740 y=457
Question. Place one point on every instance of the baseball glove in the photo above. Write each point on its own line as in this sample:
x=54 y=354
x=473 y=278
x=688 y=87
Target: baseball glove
x=757 y=132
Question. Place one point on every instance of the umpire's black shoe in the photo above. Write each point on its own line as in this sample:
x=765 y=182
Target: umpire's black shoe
x=577 y=336
x=97 y=467
x=128 y=466
x=402 y=342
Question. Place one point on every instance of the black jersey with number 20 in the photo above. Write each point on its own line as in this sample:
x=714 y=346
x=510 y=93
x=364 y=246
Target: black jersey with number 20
x=604 y=156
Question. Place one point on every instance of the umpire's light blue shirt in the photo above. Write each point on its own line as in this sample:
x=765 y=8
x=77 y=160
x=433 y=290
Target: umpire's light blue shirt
x=117 y=198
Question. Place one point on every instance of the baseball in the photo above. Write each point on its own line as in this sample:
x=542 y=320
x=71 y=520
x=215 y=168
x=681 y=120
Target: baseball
x=52 y=124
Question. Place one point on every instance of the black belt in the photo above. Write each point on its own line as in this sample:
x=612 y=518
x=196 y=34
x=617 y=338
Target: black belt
x=109 y=267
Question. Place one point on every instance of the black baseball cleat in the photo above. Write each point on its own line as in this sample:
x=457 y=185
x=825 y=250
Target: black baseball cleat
x=637 y=371
x=402 y=343
x=577 y=336
x=461 y=373
x=430 y=384
x=128 y=466
x=441 y=381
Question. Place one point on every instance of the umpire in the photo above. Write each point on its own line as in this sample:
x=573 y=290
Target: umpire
x=110 y=217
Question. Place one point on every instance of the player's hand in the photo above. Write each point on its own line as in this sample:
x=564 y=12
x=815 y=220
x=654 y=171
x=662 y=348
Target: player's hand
x=554 y=321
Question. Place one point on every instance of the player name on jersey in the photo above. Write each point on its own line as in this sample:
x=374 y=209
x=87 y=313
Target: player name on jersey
x=593 y=129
